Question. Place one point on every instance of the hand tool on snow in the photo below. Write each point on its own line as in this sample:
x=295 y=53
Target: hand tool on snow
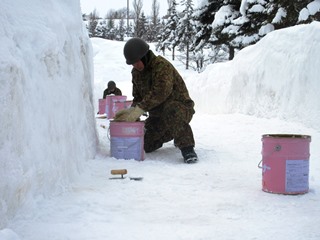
x=123 y=172
x=118 y=172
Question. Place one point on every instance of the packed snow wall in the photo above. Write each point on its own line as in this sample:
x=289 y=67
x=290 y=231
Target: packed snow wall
x=278 y=77
x=47 y=128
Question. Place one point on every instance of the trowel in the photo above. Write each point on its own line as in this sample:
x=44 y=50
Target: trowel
x=123 y=172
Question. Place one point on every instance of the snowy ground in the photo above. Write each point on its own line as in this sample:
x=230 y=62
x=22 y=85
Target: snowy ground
x=219 y=198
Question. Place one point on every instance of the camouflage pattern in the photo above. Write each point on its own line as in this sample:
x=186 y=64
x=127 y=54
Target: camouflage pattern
x=160 y=90
x=108 y=91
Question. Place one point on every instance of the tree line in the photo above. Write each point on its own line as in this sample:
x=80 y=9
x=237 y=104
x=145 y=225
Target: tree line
x=118 y=24
x=210 y=33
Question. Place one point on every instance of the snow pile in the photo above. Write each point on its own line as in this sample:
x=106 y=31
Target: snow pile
x=277 y=77
x=8 y=234
x=46 y=110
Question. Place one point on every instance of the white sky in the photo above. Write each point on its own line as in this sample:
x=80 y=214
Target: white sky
x=103 y=6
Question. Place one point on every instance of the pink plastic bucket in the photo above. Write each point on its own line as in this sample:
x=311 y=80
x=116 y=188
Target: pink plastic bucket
x=285 y=163
x=110 y=110
x=127 y=140
x=102 y=106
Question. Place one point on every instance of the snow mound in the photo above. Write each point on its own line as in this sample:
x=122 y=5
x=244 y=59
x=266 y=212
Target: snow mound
x=47 y=120
x=277 y=77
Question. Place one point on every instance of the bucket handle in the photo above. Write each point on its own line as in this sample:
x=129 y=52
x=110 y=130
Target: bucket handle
x=277 y=148
x=108 y=133
x=259 y=164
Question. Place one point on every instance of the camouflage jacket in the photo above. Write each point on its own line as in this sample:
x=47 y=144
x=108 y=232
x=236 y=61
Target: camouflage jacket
x=158 y=83
x=116 y=92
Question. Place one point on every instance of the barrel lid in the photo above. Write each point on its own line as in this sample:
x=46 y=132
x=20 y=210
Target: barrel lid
x=286 y=136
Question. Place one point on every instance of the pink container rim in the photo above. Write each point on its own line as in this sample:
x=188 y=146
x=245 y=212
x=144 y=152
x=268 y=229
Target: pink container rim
x=286 y=136
x=131 y=123
x=126 y=129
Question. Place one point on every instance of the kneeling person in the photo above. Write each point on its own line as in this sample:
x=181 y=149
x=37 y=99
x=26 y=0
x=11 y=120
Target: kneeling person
x=159 y=89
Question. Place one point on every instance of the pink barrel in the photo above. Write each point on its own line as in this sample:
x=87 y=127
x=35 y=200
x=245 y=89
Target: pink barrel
x=285 y=163
x=110 y=111
x=102 y=106
x=119 y=105
x=127 y=140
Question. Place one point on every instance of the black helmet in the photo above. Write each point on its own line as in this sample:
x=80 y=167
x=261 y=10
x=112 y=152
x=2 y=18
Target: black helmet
x=134 y=50
x=111 y=85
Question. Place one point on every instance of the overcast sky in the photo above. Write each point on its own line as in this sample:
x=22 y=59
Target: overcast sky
x=103 y=6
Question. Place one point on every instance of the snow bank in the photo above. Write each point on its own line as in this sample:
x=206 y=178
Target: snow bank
x=8 y=234
x=46 y=107
x=277 y=77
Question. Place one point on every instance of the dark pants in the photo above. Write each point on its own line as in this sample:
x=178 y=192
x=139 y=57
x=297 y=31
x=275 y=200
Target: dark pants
x=171 y=124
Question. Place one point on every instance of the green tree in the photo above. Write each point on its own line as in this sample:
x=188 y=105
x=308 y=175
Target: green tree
x=141 y=27
x=93 y=22
x=186 y=29
x=169 y=36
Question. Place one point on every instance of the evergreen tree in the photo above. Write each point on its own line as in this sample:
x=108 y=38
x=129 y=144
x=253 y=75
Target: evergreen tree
x=205 y=17
x=93 y=22
x=121 y=30
x=141 y=27
x=111 y=30
x=161 y=37
x=169 y=37
x=152 y=31
x=258 y=18
x=186 y=29
x=111 y=23
x=130 y=30
x=228 y=27
x=101 y=29
x=237 y=24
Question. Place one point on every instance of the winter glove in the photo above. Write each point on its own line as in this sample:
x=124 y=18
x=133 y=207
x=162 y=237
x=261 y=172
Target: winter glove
x=129 y=115
x=120 y=114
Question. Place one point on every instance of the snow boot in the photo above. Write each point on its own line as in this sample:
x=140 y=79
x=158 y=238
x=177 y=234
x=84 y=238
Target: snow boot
x=189 y=155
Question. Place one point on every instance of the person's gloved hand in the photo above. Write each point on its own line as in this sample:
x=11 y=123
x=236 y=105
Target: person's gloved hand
x=129 y=115
x=122 y=113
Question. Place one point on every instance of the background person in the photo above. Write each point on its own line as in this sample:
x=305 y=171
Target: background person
x=112 y=89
